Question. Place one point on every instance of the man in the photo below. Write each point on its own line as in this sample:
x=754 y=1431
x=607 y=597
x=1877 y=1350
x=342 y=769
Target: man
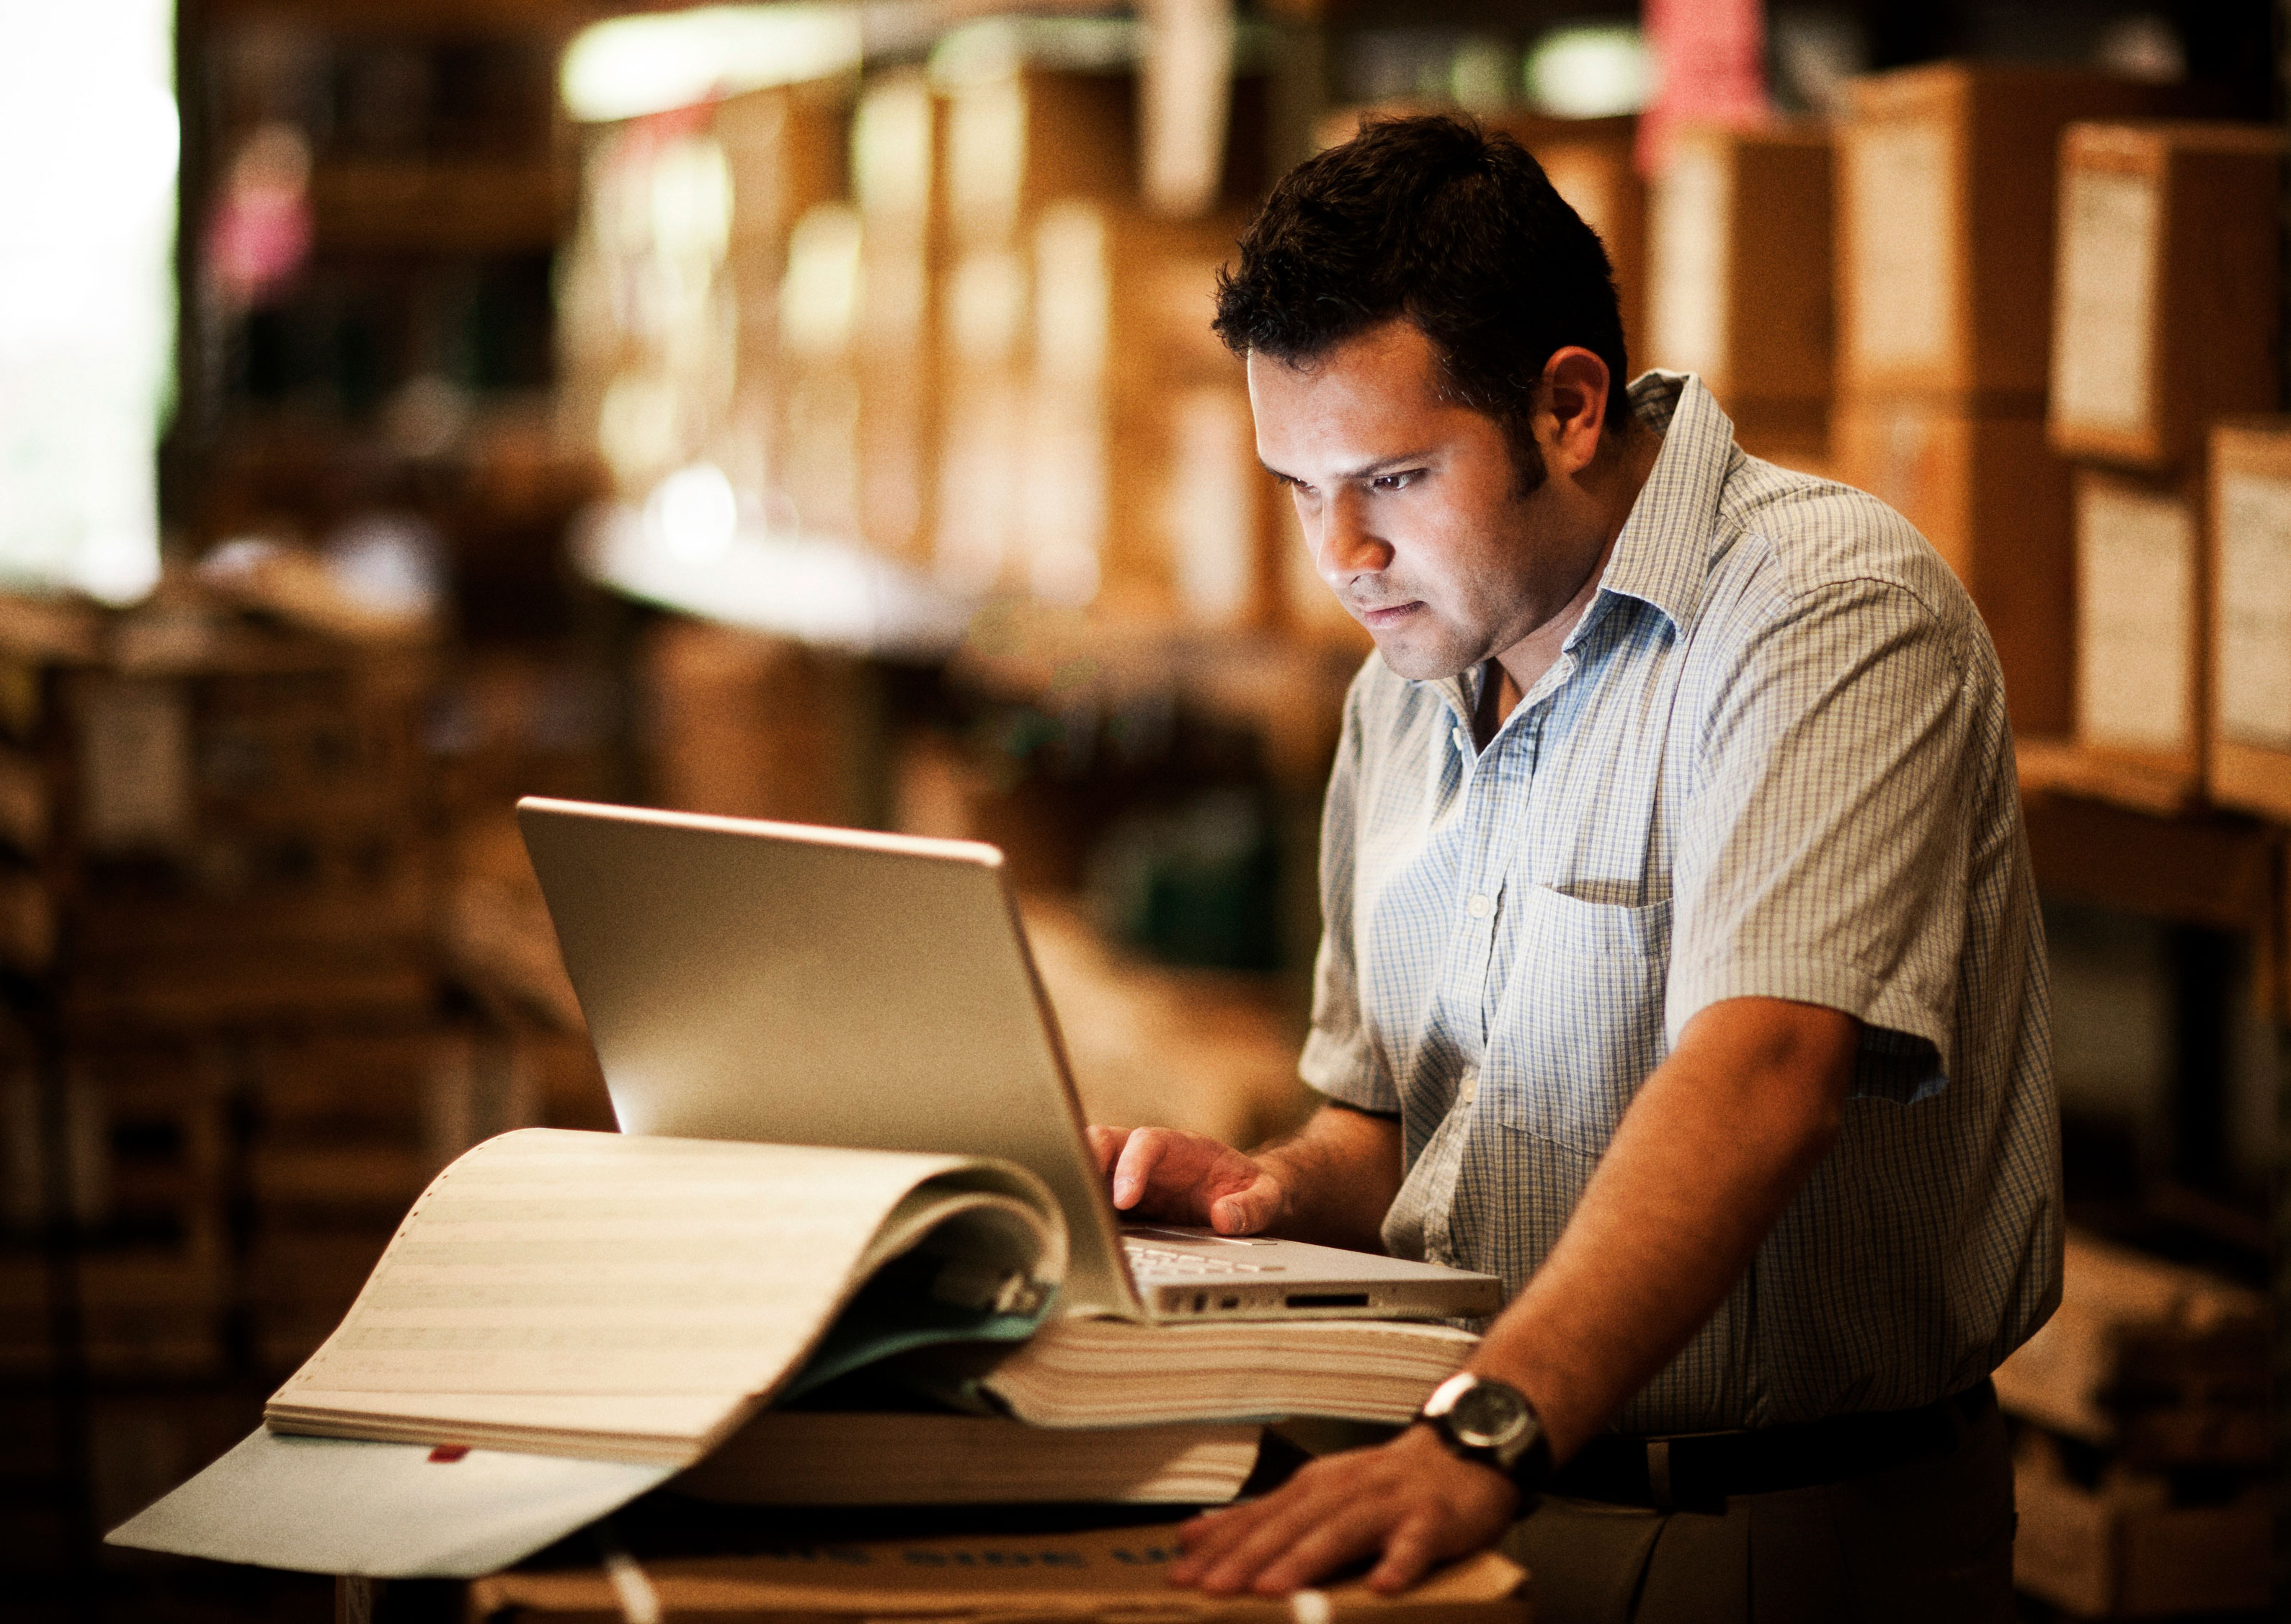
x=1681 y=960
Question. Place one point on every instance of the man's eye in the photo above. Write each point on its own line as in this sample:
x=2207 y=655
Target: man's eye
x=1397 y=482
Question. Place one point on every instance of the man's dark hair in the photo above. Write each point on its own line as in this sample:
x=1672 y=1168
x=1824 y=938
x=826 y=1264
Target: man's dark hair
x=1457 y=229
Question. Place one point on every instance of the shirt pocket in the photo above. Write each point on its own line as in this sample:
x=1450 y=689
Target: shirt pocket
x=1579 y=1026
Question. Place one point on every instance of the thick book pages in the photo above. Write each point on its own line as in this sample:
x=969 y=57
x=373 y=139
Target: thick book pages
x=1115 y=1373
x=823 y=1458
x=634 y=1298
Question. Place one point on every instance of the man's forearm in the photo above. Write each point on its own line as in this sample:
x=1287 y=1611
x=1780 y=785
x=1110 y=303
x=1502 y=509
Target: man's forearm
x=1718 y=1141
x=1340 y=1173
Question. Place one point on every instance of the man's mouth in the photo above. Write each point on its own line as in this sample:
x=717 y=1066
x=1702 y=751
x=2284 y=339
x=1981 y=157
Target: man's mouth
x=1389 y=615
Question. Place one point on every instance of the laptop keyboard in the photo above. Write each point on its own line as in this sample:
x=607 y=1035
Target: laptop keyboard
x=1162 y=1260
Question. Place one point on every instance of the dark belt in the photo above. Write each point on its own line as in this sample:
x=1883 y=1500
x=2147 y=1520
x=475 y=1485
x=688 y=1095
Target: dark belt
x=1700 y=1471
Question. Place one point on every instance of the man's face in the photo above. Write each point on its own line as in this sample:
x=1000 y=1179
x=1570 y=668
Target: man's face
x=1412 y=506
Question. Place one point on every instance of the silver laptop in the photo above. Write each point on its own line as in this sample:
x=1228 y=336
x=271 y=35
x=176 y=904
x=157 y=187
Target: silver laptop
x=803 y=985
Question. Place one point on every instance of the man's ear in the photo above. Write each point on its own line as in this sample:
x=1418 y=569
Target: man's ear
x=1575 y=409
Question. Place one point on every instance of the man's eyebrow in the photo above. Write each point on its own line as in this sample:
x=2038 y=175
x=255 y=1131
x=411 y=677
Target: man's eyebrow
x=1366 y=470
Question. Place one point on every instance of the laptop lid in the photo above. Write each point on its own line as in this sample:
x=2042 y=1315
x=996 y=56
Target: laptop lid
x=797 y=984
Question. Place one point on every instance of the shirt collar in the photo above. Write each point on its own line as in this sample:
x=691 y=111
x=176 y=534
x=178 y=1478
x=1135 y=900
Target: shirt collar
x=1662 y=554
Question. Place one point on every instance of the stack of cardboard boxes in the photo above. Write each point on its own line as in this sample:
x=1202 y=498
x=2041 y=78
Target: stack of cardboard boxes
x=2163 y=321
x=2146 y=1441
x=2249 y=566
x=1946 y=202
x=233 y=1053
x=1739 y=284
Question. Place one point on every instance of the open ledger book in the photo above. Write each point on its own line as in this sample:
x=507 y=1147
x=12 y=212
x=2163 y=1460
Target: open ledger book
x=622 y=1297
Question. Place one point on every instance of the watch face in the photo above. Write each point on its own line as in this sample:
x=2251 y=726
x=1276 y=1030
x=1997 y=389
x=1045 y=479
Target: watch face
x=1489 y=1415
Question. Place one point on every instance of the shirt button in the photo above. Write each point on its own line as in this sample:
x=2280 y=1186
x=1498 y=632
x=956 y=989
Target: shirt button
x=1456 y=734
x=1479 y=907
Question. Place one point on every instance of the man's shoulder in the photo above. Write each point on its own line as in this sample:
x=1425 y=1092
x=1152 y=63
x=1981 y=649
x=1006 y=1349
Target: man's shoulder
x=1785 y=538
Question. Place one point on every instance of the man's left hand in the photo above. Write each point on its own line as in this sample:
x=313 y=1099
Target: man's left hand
x=1409 y=1502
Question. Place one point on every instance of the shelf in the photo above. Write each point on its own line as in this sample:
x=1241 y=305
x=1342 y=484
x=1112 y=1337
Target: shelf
x=2064 y=767
x=470 y=208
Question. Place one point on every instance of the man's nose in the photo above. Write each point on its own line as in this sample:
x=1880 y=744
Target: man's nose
x=1348 y=548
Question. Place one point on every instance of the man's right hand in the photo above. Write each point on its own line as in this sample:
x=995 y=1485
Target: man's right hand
x=1176 y=1176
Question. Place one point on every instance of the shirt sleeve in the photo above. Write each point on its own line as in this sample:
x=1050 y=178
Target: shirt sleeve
x=1825 y=852
x=1338 y=1059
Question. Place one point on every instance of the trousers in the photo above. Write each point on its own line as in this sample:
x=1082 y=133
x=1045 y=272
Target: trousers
x=1928 y=1539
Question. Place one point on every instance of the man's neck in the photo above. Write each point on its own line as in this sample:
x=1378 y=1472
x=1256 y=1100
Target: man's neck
x=1616 y=484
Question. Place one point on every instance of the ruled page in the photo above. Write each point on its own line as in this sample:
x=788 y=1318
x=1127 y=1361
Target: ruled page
x=549 y=1262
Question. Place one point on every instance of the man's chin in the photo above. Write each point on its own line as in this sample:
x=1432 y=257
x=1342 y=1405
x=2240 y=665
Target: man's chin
x=1408 y=657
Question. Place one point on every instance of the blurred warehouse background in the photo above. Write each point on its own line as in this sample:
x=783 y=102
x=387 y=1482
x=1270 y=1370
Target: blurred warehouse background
x=808 y=411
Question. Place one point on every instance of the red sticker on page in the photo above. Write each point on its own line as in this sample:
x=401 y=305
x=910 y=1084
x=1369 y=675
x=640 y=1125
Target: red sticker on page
x=445 y=1454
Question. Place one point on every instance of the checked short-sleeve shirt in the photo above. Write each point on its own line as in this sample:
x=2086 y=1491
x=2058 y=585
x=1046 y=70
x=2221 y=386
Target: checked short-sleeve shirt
x=1772 y=760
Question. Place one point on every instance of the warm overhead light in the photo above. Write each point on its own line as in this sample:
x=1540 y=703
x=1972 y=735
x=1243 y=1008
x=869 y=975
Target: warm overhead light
x=1589 y=72
x=627 y=67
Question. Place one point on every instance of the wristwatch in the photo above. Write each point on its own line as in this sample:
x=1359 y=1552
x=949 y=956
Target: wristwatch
x=1492 y=1422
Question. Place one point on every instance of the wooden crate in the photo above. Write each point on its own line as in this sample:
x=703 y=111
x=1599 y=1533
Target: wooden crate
x=297 y=1287
x=2142 y=620
x=1946 y=183
x=2167 y=306
x=1995 y=503
x=1138 y=443
x=2161 y=1364
x=749 y=726
x=143 y=1161
x=2250 y=725
x=350 y=1125
x=1740 y=279
x=2121 y=1548
x=1020 y=134
x=147 y=1312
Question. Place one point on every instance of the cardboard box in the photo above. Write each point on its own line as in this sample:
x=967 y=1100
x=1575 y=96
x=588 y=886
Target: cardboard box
x=2162 y=1365
x=2122 y=1549
x=1995 y=503
x=1106 y=1573
x=2250 y=754
x=1087 y=367
x=1023 y=132
x=1740 y=279
x=2167 y=307
x=898 y=138
x=1946 y=183
x=2144 y=665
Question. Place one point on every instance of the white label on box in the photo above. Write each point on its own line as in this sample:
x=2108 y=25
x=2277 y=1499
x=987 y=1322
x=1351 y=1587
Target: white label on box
x=1691 y=205
x=2253 y=618
x=891 y=151
x=1213 y=503
x=135 y=765
x=1073 y=294
x=2104 y=314
x=1902 y=286
x=2135 y=588
x=986 y=157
